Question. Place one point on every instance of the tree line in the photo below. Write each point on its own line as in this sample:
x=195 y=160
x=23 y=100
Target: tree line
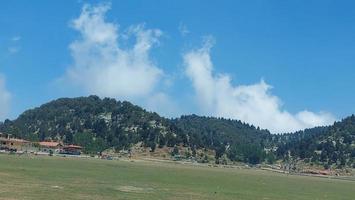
x=98 y=124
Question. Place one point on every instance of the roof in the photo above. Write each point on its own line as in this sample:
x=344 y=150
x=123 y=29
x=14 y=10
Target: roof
x=49 y=144
x=73 y=146
x=13 y=140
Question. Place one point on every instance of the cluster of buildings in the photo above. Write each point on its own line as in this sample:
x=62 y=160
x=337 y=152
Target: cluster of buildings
x=11 y=144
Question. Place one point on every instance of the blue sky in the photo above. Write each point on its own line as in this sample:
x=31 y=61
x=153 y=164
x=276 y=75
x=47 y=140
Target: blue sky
x=282 y=65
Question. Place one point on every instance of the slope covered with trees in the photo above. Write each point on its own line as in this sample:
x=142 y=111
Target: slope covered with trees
x=99 y=124
x=332 y=145
x=92 y=122
x=239 y=141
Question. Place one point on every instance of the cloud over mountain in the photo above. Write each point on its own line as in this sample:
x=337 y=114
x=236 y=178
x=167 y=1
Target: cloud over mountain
x=254 y=103
x=108 y=61
x=105 y=67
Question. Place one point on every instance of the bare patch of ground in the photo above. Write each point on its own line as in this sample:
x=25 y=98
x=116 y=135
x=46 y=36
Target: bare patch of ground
x=57 y=187
x=133 y=189
x=4 y=174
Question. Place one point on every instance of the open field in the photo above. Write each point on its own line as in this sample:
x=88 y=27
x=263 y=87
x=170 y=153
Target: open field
x=24 y=177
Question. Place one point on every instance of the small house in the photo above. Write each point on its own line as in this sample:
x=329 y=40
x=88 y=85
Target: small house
x=71 y=150
x=47 y=147
x=14 y=144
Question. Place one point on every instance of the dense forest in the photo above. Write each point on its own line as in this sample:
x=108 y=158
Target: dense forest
x=98 y=124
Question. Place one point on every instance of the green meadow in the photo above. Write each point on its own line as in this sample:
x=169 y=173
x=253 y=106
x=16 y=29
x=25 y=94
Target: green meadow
x=29 y=177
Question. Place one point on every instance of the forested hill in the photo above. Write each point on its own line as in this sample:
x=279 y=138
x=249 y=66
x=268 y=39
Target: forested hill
x=98 y=124
x=237 y=140
x=332 y=145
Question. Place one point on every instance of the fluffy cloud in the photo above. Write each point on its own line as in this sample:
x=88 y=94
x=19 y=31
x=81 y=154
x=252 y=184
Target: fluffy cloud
x=250 y=103
x=4 y=99
x=101 y=63
x=115 y=63
x=164 y=105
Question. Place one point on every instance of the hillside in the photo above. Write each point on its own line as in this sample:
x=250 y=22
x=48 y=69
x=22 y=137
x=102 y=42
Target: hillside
x=98 y=124
x=237 y=140
x=332 y=145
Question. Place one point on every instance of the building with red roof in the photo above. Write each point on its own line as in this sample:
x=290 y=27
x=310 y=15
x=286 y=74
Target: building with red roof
x=72 y=149
x=48 y=146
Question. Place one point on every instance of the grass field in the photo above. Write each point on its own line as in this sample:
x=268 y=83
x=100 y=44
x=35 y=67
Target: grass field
x=24 y=177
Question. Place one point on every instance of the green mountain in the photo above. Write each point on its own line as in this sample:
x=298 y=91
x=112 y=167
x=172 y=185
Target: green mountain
x=99 y=124
x=239 y=141
x=332 y=145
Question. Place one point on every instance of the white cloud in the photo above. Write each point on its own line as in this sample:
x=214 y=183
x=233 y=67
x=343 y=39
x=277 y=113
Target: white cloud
x=5 y=97
x=104 y=63
x=183 y=29
x=16 y=38
x=250 y=103
x=102 y=66
x=163 y=104
x=13 y=49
